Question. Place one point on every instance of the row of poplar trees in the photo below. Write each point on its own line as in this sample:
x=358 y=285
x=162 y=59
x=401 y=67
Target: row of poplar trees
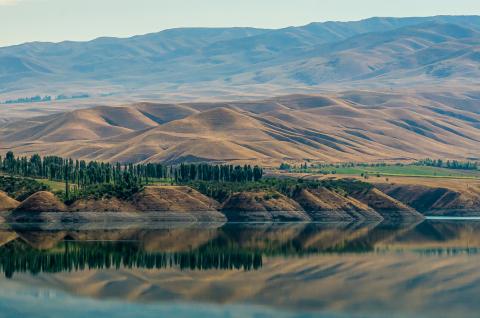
x=83 y=173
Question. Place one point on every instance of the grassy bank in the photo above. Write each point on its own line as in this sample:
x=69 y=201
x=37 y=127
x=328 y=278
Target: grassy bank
x=395 y=170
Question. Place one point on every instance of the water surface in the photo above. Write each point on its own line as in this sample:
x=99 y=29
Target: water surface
x=430 y=269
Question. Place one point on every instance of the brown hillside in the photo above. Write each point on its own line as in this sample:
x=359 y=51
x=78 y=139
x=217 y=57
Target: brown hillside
x=435 y=200
x=95 y=123
x=389 y=208
x=349 y=126
x=172 y=198
x=262 y=206
x=322 y=204
x=7 y=203
x=41 y=202
x=178 y=201
x=101 y=205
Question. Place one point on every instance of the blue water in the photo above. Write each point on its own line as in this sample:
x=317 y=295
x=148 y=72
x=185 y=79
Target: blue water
x=354 y=270
x=454 y=218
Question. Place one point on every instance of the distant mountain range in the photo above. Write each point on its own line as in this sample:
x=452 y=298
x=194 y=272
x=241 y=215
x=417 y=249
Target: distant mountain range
x=377 y=52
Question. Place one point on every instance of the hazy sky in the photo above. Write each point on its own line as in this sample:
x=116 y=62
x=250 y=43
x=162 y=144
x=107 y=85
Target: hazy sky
x=57 y=20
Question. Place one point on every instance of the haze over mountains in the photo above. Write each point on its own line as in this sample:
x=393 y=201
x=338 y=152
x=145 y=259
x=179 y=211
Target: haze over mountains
x=377 y=52
x=377 y=89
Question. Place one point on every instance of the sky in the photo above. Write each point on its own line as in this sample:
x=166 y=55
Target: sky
x=80 y=20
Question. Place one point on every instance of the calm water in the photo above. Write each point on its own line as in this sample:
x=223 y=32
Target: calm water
x=431 y=269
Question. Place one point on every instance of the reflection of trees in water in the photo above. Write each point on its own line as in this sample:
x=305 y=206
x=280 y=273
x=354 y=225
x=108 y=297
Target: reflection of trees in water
x=77 y=256
x=231 y=247
x=234 y=248
x=221 y=253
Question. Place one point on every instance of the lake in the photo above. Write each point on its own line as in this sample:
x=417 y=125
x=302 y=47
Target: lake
x=429 y=269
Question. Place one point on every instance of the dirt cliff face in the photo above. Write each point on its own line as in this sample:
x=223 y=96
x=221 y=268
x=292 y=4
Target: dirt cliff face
x=263 y=206
x=101 y=205
x=391 y=202
x=326 y=205
x=41 y=202
x=171 y=198
x=389 y=208
x=182 y=202
x=150 y=199
x=7 y=203
x=436 y=200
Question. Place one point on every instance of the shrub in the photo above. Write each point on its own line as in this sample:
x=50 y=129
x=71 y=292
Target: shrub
x=21 y=188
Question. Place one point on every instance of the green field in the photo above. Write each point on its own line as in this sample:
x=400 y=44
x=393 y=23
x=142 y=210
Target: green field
x=406 y=171
x=53 y=185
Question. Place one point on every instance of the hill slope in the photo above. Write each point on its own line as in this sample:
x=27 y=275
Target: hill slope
x=349 y=126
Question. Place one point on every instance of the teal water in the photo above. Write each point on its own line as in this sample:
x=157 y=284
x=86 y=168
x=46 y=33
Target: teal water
x=429 y=269
x=454 y=218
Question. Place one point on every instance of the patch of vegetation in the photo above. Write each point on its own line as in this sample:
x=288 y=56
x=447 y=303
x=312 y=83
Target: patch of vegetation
x=54 y=186
x=220 y=191
x=82 y=176
x=100 y=191
x=453 y=164
x=433 y=169
x=21 y=188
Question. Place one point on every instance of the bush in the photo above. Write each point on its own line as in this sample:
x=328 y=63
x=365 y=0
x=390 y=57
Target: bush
x=289 y=187
x=21 y=188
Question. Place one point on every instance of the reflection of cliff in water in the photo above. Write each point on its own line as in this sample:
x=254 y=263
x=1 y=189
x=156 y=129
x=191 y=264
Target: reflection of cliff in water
x=230 y=247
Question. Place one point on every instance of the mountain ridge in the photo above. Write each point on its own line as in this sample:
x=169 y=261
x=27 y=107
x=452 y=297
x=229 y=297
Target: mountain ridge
x=329 y=53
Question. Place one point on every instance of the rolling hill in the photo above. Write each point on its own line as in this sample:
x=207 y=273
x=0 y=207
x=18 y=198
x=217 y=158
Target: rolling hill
x=376 y=89
x=347 y=126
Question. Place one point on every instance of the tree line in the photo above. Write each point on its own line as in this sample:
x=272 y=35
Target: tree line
x=47 y=98
x=82 y=174
x=34 y=99
x=219 y=173
x=450 y=164
x=439 y=163
x=305 y=166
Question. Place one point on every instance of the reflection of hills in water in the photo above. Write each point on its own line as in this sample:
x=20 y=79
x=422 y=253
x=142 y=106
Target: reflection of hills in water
x=230 y=247
x=355 y=270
